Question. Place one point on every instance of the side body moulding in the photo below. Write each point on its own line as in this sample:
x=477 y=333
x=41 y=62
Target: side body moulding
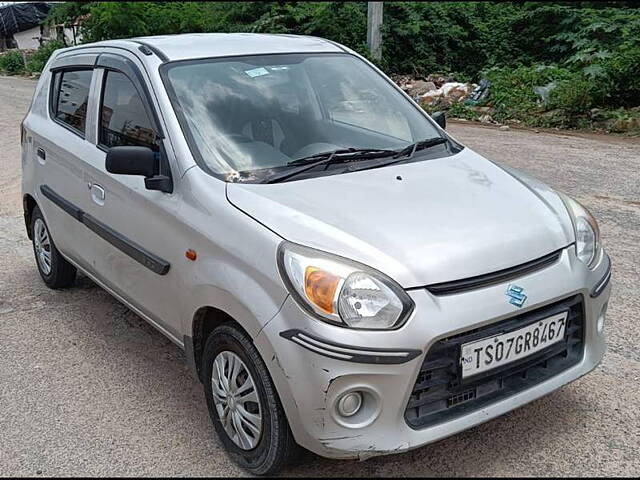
x=122 y=243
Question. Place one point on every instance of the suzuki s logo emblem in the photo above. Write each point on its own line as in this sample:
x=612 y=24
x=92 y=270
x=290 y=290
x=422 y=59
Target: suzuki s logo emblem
x=516 y=295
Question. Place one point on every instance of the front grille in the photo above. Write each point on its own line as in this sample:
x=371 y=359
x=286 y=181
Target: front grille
x=488 y=279
x=441 y=394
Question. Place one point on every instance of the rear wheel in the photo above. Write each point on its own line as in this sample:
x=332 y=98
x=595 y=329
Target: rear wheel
x=244 y=404
x=54 y=269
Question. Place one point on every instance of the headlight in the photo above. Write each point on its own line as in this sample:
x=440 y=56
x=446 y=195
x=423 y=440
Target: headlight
x=586 y=231
x=341 y=291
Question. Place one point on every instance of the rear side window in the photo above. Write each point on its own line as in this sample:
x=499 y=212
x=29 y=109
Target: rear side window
x=123 y=118
x=71 y=94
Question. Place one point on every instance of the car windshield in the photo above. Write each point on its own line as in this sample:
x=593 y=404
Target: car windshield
x=248 y=117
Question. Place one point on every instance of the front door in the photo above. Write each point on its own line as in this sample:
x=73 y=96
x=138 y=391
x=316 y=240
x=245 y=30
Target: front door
x=138 y=237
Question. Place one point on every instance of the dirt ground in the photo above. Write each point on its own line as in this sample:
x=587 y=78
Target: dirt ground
x=88 y=388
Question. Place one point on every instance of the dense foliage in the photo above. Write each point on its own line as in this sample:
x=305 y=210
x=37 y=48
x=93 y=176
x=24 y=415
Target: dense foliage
x=587 y=53
x=462 y=37
x=38 y=60
x=12 y=62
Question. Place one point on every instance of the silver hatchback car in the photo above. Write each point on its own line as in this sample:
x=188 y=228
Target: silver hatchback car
x=341 y=273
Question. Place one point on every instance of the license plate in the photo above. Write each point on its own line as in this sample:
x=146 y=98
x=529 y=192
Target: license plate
x=498 y=350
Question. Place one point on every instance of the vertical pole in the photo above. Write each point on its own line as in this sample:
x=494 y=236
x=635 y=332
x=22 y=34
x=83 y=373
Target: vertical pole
x=374 y=22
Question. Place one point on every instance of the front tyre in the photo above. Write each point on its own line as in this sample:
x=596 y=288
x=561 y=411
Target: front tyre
x=54 y=269
x=243 y=403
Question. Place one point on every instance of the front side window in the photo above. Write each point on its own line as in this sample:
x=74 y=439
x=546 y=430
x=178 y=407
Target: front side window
x=71 y=94
x=123 y=118
x=246 y=118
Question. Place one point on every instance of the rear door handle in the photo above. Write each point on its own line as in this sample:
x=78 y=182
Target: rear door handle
x=97 y=194
x=41 y=153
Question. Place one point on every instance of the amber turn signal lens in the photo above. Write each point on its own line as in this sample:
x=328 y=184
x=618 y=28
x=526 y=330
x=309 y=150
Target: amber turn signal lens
x=320 y=287
x=191 y=255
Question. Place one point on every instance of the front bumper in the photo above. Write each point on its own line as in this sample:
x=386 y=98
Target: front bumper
x=310 y=382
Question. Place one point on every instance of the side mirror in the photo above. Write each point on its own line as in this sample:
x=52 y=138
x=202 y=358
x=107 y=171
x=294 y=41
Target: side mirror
x=130 y=160
x=440 y=119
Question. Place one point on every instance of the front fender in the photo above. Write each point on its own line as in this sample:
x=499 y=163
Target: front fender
x=252 y=317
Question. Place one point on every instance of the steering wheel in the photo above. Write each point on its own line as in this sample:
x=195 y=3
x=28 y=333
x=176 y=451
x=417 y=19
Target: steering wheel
x=237 y=137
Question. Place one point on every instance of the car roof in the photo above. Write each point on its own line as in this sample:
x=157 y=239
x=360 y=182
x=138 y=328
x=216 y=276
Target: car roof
x=202 y=45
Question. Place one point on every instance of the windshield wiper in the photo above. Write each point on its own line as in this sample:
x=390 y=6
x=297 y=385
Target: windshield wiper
x=410 y=150
x=327 y=158
x=317 y=156
x=407 y=153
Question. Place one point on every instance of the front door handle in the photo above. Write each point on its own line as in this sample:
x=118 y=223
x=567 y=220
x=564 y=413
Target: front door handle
x=41 y=153
x=97 y=194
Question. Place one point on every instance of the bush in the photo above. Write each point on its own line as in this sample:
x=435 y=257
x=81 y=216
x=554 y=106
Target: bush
x=460 y=110
x=512 y=92
x=621 y=73
x=12 y=62
x=575 y=95
x=39 y=59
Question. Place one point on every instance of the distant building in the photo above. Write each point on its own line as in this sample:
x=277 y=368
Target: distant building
x=22 y=26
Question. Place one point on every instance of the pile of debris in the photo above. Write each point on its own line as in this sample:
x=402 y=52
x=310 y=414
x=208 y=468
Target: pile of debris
x=435 y=90
x=440 y=92
x=472 y=102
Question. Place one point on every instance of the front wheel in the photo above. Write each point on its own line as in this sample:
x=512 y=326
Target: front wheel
x=244 y=404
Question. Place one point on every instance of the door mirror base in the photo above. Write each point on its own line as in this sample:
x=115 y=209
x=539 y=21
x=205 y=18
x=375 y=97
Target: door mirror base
x=440 y=119
x=159 y=182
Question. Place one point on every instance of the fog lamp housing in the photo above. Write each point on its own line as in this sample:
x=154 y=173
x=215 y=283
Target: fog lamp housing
x=349 y=404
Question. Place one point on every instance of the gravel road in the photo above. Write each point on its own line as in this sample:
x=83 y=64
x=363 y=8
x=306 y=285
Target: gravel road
x=88 y=388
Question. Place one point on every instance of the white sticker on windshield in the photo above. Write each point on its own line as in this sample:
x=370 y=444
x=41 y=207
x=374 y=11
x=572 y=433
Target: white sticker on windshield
x=257 y=72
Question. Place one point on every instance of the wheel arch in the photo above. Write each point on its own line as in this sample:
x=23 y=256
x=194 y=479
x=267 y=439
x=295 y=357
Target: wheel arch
x=28 y=205
x=209 y=306
x=204 y=321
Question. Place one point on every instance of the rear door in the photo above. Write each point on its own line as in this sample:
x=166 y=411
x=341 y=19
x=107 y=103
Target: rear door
x=59 y=143
x=138 y=237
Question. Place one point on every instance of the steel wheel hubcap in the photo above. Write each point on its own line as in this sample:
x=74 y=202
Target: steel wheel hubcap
x=236 y=400
x=42 y=243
